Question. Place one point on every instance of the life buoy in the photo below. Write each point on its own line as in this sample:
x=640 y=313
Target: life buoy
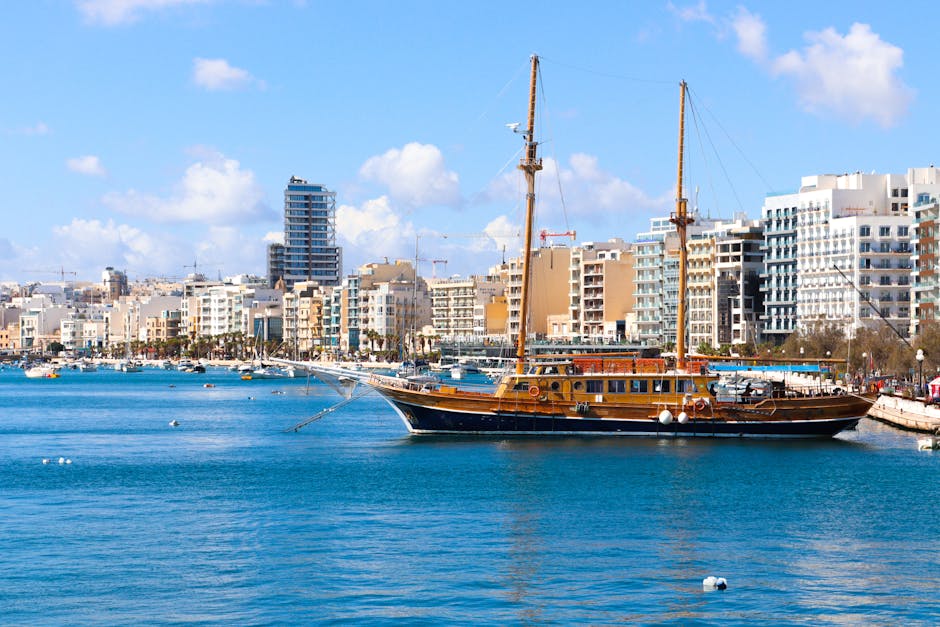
x=534 y=391
x=700 y=405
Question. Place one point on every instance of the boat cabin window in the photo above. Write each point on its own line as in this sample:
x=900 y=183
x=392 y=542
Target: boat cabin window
x=595 y=386
x=578 y=385
x=521 y=385
x=616 y=386
x=661 y=385
x=686 y=386
x=555 y=386
x=639 y=386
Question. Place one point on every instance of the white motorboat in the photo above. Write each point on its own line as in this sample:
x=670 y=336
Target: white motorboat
x=42 y=371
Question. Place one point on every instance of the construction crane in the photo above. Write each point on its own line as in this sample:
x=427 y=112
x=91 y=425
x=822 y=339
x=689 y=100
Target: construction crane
x=544 y=234
x=195 y=265
x=434 y=263
x=61 y=272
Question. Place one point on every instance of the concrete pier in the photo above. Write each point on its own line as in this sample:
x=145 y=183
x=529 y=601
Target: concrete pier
x=905 y=413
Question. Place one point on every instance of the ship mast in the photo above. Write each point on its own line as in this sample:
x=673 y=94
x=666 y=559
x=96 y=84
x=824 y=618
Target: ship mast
x=681 y=219
x=529 y=164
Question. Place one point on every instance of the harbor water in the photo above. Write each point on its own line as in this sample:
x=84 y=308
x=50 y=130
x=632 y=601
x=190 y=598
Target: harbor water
x=229 y=519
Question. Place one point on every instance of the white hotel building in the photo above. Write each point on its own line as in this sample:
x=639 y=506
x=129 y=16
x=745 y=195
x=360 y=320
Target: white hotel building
x=859 y=225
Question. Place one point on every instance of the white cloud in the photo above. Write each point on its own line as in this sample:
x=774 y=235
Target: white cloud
x=115 y=12
x=589 y=193
x=218 y=75
x=40 y=128
x=752 y=34
x=90 y=245
x=854 y=76
x=415 y=175
x=273 y=237
x=217 y=191
x=86 y=164
x=502 y=233
x=693 y=13
x=225 y=249
x=373 y=230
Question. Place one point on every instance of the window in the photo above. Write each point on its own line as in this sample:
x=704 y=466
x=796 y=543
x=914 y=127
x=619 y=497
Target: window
x=885 y=247
x=902 y=231
x=639 y=386
x=661 y=386
x=884 y=231
x=864 y=247
x=864 y=231
x=595 y=386
x=616 y=386
x=686 y=386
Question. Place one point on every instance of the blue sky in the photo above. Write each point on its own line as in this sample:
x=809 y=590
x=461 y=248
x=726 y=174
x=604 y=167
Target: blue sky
x=146 y=134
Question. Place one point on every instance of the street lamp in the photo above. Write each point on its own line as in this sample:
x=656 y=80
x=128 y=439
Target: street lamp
x=865 y=364
x=920 y=365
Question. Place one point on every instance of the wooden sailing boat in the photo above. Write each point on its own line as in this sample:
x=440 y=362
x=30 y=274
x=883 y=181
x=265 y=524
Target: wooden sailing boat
x=606 y=394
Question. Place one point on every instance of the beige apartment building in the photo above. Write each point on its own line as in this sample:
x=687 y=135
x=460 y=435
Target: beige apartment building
x=601 y=281
x=548 y=294
x=165 y=326
x=701 y=291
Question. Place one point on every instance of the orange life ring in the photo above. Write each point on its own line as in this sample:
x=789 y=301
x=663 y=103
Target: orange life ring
x=699 y=405
x=534 y=391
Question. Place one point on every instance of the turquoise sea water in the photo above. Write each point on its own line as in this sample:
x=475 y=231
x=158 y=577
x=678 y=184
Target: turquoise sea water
x=226 y=519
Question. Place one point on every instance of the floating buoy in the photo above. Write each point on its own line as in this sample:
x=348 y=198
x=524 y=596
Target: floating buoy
x=665 y=417
x=174 y=423
x=45 y=460
x=61 y=460
x=68 y=461
x=714 y=583
x=208 y=385
x=251 y=398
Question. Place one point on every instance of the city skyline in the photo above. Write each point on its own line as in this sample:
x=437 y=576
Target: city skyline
x=146 y=134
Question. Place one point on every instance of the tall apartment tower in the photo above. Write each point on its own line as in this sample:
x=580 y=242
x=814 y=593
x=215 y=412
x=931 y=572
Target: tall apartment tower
x=309 y=252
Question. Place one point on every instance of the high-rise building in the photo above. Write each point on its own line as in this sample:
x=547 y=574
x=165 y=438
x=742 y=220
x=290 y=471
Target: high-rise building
x=309 y=252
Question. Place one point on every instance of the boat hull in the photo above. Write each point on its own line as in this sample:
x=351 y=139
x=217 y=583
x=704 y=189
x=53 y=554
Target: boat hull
x=429 y=420
x=425 y=413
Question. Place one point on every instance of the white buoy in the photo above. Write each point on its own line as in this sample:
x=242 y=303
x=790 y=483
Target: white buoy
x=714 y=583
x=174 y=423
x=61 y=460
x=45 y=460
x=665 y=417
x=683 y=418
x=68 y=461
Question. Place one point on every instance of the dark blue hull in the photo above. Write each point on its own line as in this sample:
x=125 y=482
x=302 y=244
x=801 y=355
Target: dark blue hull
x=430 y=420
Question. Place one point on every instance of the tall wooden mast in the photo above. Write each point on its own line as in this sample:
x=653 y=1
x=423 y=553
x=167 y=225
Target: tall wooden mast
x=529 y=164
x=681 y=219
